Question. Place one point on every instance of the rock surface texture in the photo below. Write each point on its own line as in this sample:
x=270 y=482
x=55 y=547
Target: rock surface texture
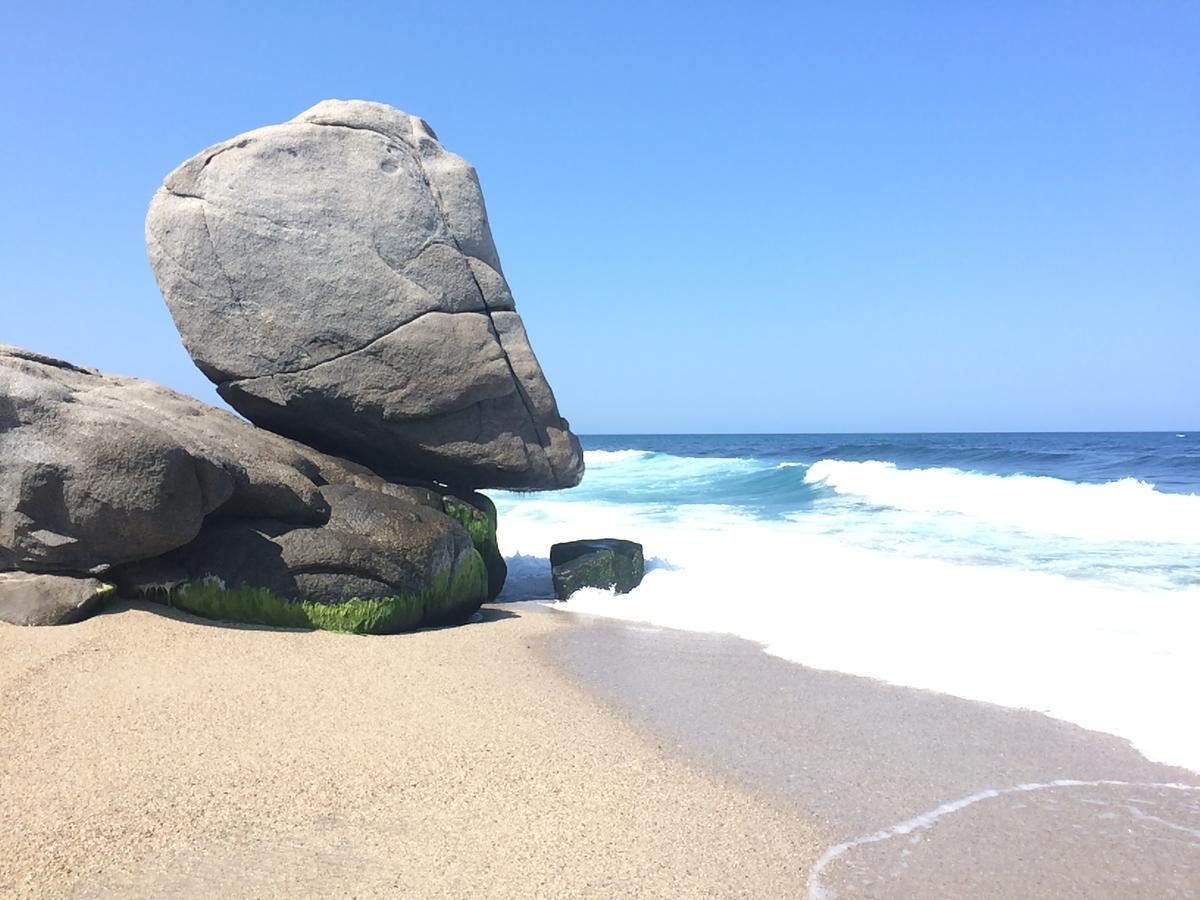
x=335 y=276
x=161 y=494
x=605 y=563
x=27 y=599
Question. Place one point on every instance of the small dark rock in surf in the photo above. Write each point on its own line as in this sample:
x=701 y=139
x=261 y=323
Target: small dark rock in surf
x=605 y=563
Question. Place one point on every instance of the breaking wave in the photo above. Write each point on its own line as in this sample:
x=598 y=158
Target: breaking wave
x=1079 y=599
x=1124 y=510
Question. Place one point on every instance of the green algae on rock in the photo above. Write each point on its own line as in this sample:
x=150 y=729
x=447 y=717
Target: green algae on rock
x=607 y=563
x=451 y=597
x=381 y=562
x=477 y=513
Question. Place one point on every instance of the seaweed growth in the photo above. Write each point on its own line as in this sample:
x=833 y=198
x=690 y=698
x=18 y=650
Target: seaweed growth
x=452 y=596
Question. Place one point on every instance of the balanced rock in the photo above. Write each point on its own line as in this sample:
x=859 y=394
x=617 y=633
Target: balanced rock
x=607 y=563
x=159 y=492
x=336 y=277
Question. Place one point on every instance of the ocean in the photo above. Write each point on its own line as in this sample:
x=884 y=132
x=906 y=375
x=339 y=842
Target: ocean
x=1052 y=572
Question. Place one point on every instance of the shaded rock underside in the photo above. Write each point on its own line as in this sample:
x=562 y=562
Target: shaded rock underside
x=451 y=597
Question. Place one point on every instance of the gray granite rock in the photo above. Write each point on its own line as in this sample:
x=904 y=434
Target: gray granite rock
x=336 y=277
x=35 y=599
x=98 y=472
x=93 y=472
x=99 y=469
x=386 y=548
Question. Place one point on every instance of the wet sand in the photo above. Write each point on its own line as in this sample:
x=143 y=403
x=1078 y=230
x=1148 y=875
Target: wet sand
x=149 y=754
x=923 y=795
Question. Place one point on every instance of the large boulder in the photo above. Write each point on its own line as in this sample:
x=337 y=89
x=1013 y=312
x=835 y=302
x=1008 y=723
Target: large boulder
x=103 y=474
x=380 y=564
x=335 y=276
x=93 y=472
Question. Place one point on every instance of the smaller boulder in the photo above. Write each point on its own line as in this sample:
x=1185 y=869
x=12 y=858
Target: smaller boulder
x=32 y=599
x=383 y=563
x=606 y=563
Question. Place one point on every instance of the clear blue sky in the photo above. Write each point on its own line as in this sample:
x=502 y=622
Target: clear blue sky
x=714 y=217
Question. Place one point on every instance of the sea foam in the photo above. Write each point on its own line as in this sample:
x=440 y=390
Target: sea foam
x=1124 y=510
x=1109 y=646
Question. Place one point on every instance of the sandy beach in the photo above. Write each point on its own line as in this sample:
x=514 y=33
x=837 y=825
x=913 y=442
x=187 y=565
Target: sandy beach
x=538 y=753
x=146 y=753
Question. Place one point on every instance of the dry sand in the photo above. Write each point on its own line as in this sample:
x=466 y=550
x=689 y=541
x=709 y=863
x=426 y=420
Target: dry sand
x=144 y=753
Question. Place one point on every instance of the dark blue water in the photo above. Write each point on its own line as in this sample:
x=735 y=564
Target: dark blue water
x=1169 y=462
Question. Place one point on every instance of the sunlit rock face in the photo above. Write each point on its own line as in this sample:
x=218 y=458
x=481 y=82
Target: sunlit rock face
x=336 y=277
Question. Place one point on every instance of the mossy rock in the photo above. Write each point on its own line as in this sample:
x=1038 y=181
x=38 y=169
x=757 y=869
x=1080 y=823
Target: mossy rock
x=477 y=513
x=452 y=596
x=606 y=563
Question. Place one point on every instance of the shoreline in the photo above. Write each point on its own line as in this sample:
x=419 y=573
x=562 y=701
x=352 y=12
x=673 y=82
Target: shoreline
x=926 y=794
x=529 y=752
x=150 y=753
